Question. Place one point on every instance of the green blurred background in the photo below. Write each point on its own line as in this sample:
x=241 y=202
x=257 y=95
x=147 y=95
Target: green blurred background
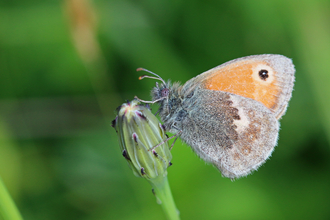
x=66 y=65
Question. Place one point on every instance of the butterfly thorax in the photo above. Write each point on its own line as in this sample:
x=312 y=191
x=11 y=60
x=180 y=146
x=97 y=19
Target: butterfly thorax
x=171 y=109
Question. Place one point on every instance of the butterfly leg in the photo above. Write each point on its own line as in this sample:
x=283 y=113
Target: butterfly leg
x=167 y=139
x=177 y=135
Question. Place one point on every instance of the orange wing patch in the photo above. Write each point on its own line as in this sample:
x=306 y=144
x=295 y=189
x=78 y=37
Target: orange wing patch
x=248 y=78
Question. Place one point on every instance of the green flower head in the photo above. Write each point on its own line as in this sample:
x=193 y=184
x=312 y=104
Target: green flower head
x=139 y=131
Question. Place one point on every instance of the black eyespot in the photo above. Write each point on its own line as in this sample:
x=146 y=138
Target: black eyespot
x=263 y=74
x=165 y=92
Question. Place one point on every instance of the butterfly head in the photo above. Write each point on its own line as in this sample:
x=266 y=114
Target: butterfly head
x=165 y=94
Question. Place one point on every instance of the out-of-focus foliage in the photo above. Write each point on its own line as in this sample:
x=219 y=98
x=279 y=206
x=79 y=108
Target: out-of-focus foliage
x=66 y=65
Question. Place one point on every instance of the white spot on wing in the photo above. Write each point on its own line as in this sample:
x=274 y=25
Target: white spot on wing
x=244 y=122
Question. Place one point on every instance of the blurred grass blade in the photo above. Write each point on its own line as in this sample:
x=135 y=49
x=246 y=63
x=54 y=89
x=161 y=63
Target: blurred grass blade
x=312 y=39
x=82 y=21
x=8 y=209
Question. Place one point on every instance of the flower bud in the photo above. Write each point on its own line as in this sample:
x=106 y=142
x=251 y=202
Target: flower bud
x=139 y=131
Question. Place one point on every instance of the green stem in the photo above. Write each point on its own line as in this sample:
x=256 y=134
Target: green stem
x=8 y=210
x=162 y=191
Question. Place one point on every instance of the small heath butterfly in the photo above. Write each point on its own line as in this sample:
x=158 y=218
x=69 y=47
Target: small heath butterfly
x=229 y=114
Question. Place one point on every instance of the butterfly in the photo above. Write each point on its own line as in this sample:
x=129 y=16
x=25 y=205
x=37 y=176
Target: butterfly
x=229 y=115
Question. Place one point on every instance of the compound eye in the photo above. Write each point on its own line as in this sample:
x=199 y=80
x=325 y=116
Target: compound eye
x=190 y=95
x=165 y=92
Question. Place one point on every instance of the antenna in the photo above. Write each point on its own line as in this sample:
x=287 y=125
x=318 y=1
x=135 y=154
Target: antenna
x=150 y=77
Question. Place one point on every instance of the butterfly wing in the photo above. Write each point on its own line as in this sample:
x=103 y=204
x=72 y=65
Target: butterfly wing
x=234 y=133
x=234 y=110
x=265 y=78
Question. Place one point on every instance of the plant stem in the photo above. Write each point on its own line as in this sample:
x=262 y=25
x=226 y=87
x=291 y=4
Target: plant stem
x=8 y=209
x=162 y=191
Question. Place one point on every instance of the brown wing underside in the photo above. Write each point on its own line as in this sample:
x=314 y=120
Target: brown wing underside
x=234 y=133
